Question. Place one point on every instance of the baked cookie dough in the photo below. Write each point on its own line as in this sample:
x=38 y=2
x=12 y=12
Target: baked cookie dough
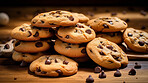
x=115 y=37
x=54 y=19
x=82 y=18
x=107 y=24
x=69 y=49
x=31 y=47
x=136 y=40
x=79 y=33
x=26 y=32
x=54 y=66
x=106 y=54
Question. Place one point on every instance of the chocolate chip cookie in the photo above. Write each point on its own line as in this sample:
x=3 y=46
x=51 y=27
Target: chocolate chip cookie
x=31 y=47
x=82 y=18
x=26 y=32
x=136 y=40
x=107 y=24
x=106 y=53
x=27 y=57
x=79 y=33
x=54 y=66
x=54 y=19
x=69 y=49
x=115 y=37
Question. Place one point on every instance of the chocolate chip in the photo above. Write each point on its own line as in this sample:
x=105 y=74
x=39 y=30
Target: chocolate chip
x=141 y=43
x=58 y=11
x=6 y=46
x=23 y=55
x=59 y=72
x=127 y=20
x=42 y=21
x=140 y=35
x=102 y=74
x=130 y=34
x=36 y=34
x=88 y=31
x=39 y=44
x=142 y=12
x=56 y=61
x=67 y=36
x=102 y=53
x=71 y=18
x=38 y=69
x=17 y=43
x=113 y=14
x=132 y=72
x=117 y=73
x=43 y=72
x=143 y=27
x=52 y=24
x=89 y=79
x=105 y=26
x=79 y=26
x=110 y=22
x=68 y=47
x=124 y=23
x=57 y=16
x=109 y=47
x=110 y=61
x=22 y=29
x=23 y=64
x=15 y=78
x=100 y=46
x=65 y=62
x=91 y=51
x=47 y=62
x=83 y=51
x=137 y=66
x=29 y=33
x=97 y=69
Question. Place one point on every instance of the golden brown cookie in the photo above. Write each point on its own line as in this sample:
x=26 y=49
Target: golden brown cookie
x=106 y=54
x=54 y=65
x=107 y=24
x=27 y=33
x=54 y=19
x=82 y=18
x=79 y=33
x=136 y=40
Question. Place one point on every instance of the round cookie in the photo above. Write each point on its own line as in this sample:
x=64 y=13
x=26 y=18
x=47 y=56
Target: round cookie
x=7 y=48
x=79 y=33
x=27 y=57
x=54 y=19
x=107 y=24
x=27 y=33
x=54 y=66
x=31 y=47
x=69 y=49
x=82 y=18
x=115 y=37
x=106 y=54
x=136 y=40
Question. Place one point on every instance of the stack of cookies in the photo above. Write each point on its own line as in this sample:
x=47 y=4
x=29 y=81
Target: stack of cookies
x=104 y=49
x=30 y=42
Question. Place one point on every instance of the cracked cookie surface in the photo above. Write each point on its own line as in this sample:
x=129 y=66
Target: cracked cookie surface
x=54 y=66
x=82 y=18
x=54 y=19
x=136 y=40
x=26 y=32
x=106 y=54
x=107 y=24
x=79 y=33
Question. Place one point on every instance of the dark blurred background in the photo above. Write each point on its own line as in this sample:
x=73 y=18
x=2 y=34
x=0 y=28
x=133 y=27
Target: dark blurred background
x=73 y=3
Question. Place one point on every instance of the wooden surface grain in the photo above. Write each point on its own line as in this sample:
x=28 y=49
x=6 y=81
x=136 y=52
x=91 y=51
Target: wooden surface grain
x=11 y=72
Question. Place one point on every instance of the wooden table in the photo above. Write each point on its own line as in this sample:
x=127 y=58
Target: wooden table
x=11 y=72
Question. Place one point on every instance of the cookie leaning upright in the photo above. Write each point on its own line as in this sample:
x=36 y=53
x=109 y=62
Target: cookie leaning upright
x=136 y=40
x=54 y=65
x=107 y=24
x=54 y=19
x=106 y=54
